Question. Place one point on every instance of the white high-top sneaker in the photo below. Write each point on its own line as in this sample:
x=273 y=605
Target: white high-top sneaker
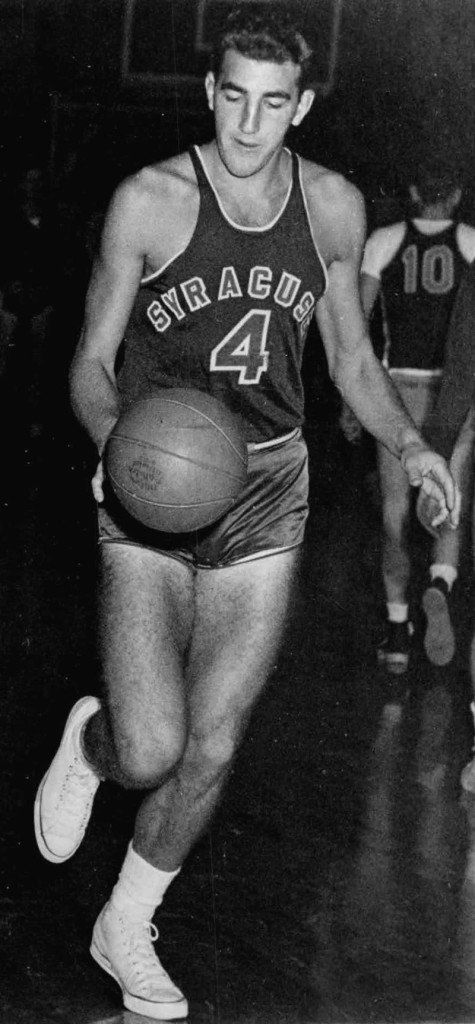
x=124 y=948
x=64 y=799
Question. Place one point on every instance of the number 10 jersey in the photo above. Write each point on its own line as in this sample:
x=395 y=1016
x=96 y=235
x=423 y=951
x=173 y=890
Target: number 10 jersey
x=230 y=314
x=419 y=264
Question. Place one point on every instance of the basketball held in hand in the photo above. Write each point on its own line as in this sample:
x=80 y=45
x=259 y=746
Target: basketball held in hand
x=177 y=460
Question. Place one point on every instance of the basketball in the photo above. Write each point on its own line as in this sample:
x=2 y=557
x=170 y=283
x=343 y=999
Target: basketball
x=176 y=460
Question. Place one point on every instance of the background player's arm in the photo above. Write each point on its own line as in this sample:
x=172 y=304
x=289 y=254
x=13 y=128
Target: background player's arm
x=354 y=367
x=114 y=283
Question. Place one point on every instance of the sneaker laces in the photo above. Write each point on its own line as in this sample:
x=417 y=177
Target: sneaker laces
x=145 y=964
x=76 y=795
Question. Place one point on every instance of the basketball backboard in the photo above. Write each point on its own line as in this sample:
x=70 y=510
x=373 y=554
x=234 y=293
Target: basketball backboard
x=167 y=41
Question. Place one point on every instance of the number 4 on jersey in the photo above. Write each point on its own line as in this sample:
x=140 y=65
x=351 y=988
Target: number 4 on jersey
x=243 y=350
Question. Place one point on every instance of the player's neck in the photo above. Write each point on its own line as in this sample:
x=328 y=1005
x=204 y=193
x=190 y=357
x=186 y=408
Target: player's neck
x=266 y=187
x=435 y=211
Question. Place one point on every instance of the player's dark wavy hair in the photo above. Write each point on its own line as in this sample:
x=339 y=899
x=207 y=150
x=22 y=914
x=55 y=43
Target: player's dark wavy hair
x=265 y=30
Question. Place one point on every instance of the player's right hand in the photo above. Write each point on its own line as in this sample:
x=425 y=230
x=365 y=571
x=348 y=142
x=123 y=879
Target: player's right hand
x=97 y=483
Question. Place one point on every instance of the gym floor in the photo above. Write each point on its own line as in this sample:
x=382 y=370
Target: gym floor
x=337 y=883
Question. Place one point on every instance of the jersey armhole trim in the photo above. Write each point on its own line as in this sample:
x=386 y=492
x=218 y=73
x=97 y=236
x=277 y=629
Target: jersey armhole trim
x=161 y=270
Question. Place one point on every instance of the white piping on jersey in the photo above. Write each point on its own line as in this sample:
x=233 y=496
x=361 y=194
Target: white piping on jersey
x=274 y=442
x=309 y=222
x=239 y=227
x=156 y=273
x=230 y=221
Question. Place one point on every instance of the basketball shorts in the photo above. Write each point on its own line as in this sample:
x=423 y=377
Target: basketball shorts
x=419 y=394
x=268 y=517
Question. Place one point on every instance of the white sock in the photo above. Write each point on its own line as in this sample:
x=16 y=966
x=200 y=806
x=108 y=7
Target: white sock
x=444 y=571
x=397 y=612
x=140 y=887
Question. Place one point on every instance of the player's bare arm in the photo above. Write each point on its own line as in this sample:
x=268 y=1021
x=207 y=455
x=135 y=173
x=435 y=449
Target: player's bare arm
x=151 y=217
x=369 y=290
x=337 y=212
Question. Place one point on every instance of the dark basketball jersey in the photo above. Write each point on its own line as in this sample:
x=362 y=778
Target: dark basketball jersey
x=230 y=314
x=419 y=286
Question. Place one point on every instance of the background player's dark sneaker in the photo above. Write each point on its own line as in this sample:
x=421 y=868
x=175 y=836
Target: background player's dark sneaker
x=439 y=639
x=395 y=649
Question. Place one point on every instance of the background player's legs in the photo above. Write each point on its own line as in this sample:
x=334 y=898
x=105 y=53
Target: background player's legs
x=396 y=566
x=419 y=396
x=446 y=550
x=439 y=638
x=395 y=507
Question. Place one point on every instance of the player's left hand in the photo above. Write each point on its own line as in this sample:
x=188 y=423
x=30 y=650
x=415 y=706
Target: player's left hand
x=429 y=471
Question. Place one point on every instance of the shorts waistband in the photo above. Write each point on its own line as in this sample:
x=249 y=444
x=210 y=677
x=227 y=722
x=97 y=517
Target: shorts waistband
x=415 y=376
x=274 y=442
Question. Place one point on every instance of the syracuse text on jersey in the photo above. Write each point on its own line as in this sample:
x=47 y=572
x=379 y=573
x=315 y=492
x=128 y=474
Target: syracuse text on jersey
x=260 y=286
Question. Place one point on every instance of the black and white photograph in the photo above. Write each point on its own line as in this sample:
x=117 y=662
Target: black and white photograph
x=237 y=511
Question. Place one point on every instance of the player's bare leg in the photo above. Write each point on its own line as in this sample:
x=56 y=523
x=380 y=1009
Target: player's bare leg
x=175 y=671
x=439 y=637
x=145 y=614
x=239 y=619
x=396 y=566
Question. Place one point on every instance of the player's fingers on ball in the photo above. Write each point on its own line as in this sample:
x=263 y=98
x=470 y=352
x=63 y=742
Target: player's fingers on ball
x=97 y=489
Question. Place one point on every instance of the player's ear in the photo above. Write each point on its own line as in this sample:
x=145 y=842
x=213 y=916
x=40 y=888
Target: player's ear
x=210 y=83
x=304 y=104
x=414 y=194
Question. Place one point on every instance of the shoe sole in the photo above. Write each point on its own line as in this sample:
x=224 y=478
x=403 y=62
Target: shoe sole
x=44 y=849
x=439 y=642
x=157 y=1011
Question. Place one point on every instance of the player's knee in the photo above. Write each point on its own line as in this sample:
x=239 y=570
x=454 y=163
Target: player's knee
x=211 y=754
x=148 y=760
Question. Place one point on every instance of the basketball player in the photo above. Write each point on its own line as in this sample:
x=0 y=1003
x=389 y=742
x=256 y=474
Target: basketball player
x=211 y=267
x=415 y=267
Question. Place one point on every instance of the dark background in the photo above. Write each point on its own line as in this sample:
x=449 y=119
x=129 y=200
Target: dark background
x=404 y=89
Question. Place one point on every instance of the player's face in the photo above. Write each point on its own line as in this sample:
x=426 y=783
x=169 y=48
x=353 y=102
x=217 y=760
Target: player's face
x=254 y=104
